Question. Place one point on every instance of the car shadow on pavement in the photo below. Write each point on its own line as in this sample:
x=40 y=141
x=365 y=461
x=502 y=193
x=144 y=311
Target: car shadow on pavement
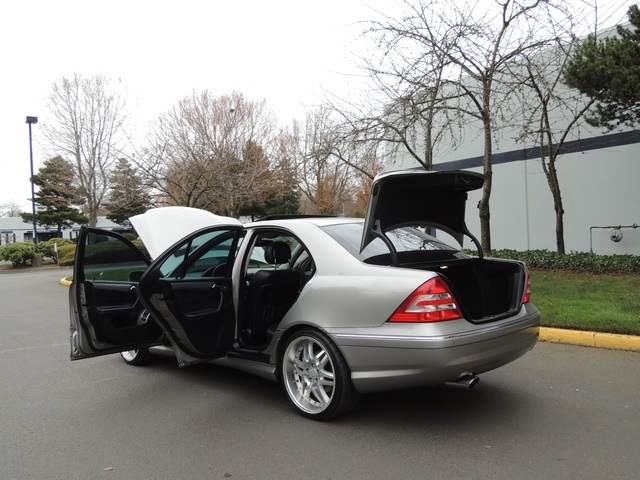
x=440 y=408
x=490 y=404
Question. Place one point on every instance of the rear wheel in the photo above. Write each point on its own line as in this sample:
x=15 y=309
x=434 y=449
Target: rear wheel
x=141 y=356
x=316 y=376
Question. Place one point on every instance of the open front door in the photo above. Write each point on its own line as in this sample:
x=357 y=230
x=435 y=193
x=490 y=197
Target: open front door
x=106 y=315
x=189 y=291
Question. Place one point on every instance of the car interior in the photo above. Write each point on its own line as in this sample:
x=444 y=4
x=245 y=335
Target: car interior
x=277 y=268
x=275 y=271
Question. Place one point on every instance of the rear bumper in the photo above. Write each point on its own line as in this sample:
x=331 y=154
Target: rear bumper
x=381 y=361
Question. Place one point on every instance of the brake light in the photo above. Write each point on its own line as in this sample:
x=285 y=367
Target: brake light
x=433 y=301
x=526 y=298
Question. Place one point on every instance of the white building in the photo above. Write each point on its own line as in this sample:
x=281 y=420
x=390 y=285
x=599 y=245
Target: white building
x=13 y=229
x=599 y=177
x=600 y=184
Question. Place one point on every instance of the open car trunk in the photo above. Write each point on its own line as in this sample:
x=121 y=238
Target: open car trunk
x=486 y=289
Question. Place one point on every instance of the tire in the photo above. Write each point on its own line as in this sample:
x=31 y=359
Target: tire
x=316 y=377
x=138 y=357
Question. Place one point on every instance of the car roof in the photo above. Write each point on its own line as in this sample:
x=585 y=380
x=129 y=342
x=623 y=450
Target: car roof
x=319 y=221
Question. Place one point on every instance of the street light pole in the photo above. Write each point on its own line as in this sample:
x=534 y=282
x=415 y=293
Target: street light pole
x=32 y=121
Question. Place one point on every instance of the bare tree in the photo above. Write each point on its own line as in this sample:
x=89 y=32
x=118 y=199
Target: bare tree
x=409 y=111
x=10 y=209
x=211 y=152
x=547 y=101
x=325 y=179
x=449 y=61
x=87 y=125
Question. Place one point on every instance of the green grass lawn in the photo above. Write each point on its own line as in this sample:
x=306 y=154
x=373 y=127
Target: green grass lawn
x=602 y=303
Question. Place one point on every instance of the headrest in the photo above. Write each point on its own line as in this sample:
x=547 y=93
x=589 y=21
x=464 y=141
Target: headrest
x=277 y=252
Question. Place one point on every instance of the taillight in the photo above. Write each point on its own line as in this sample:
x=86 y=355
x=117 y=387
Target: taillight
x=526 y=298
x=431 y=302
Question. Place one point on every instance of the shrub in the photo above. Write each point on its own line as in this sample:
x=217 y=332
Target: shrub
x=22 y=253
x=140 y=246
x=19 y=253
x=101 y=252
x=66 y=254
x=575 y=261
x=47 y=249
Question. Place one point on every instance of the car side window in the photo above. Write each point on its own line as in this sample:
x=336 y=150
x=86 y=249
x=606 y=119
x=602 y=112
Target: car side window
x=274 y=250
x=200 y=256
x=107 y=258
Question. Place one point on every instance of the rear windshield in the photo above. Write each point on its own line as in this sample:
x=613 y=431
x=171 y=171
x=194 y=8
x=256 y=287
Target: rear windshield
x=408 y=241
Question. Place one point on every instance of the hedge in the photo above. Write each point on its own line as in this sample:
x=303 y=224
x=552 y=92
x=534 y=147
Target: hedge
x=47 y=249
x=574 y=261
x=19 y=253
x=66 y=254
x=100 y=253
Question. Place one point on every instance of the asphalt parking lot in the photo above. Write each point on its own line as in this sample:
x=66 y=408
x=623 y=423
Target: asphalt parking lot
x=561 y=411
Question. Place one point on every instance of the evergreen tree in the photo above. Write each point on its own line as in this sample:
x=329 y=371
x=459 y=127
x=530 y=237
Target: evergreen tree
x=57 y=197
x=276 y=192
x=608 y=70
x=128 y=196
x=286 y=202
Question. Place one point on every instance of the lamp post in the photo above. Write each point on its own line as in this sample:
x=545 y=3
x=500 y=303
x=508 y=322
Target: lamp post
x=32 y=121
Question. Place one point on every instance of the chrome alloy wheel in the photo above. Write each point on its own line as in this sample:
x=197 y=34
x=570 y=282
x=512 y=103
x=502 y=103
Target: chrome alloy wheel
x=308 y=374
x=141 y=356
x=130 y=355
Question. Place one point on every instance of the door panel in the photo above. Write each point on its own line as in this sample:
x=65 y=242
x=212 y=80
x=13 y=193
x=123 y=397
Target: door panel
x=191 y=298
x=106 y=315
x=111 y=308
x=196 y=300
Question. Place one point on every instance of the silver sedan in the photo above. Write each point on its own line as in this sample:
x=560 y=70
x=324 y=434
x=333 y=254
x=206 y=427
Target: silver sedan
x=330 y=307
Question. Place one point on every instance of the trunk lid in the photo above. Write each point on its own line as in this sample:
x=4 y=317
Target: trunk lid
x=415 y=197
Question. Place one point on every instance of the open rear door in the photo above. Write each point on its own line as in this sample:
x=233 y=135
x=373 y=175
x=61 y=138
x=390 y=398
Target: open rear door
x=106 y=315
x=189 y=291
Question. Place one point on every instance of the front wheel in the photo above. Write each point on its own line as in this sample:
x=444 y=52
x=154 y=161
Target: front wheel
x=316 y=376
x=141 y=356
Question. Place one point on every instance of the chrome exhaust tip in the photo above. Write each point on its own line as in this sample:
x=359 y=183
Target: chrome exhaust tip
x=466 y=381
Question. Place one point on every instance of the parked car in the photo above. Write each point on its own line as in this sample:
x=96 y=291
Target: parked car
x=330 y=307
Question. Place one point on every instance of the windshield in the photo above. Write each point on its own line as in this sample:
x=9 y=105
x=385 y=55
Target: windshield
x=405 y=240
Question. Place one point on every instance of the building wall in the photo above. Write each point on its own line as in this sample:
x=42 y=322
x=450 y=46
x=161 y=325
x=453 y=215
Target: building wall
x=13 y=229
x=599 y=181
x=599 y=173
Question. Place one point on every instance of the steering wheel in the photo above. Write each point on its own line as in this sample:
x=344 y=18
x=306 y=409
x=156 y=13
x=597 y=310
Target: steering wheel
x=217 y=271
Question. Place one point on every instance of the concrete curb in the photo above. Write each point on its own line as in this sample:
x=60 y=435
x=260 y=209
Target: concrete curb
x=572 y=337
x=590 y=339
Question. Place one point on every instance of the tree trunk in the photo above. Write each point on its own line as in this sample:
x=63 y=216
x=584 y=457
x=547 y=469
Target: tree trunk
x=483 y=205
x=92 y=211
x=484 y=212
x=554 y=185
